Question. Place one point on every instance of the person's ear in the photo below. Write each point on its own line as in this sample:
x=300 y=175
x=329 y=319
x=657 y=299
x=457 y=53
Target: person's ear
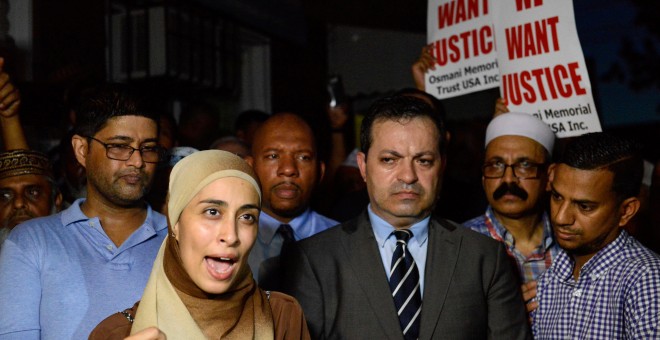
x=321 y=171
x=80 y=148
x=175 y=231
x=58 y=202
x=249 y=160
x=551 y=176
x=628 y=208
x=362 y=164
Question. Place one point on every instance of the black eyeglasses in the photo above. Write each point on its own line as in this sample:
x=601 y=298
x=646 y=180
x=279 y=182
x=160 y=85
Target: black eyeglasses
x=123 y=152
x=522 y=169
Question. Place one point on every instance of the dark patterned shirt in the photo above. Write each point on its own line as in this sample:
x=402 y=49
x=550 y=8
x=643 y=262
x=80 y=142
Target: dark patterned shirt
x=529 y=267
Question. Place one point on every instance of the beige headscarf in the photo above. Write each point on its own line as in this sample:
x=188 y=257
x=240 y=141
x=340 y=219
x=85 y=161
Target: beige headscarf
x=172 y=301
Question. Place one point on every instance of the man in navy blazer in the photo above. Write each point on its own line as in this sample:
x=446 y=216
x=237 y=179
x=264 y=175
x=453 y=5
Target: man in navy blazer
x=341 y=276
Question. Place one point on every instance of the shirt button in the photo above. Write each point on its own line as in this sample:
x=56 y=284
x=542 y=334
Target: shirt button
x=109 y=246
x=577 y=292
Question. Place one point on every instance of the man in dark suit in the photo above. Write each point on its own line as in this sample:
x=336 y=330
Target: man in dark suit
x=396 y=271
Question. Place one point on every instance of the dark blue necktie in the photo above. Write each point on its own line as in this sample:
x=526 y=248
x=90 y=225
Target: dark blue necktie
x=404 y=283
x=286 y=232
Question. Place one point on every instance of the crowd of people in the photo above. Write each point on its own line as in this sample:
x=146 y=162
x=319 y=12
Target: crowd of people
x=143 y=227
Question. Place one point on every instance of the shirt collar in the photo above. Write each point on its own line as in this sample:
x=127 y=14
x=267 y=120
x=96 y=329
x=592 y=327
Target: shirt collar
x=500 y=230
x=503 y=233
x=268 y=225
x=597 y=265
x=606 y=257
x=74 y=214
x=383 y=230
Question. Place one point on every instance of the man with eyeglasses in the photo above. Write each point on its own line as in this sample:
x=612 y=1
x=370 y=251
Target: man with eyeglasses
x=61 y=275
x=518 y=151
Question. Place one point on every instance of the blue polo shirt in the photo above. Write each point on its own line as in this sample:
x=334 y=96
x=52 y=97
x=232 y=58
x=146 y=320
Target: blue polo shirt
x=61 y=275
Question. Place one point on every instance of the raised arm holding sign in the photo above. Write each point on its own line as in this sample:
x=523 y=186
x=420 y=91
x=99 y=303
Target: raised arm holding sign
x=538 y=62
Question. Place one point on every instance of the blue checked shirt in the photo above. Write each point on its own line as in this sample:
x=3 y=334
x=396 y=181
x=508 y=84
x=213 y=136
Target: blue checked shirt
x=617 y=295
x=530 y=267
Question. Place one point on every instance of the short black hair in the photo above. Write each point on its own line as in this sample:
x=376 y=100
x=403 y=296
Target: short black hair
x=108 y=101
x=599 y=150
x=247 y=117
x=436 y=104
x=400 y=107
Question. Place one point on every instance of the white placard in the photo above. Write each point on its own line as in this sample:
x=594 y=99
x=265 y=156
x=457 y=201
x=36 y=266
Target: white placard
x=462 y=41
x=542 y=68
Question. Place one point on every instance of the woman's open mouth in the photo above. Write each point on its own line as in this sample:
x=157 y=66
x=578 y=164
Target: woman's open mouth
x=220 y=268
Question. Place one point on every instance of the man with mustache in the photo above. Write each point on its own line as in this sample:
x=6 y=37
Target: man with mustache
x=27 y=189
x=603 y=284
x=397 y=271
x=285 y=158
x=518 y=150
x=61 y=275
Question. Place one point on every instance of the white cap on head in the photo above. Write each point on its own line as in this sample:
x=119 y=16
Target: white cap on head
x=521 y=124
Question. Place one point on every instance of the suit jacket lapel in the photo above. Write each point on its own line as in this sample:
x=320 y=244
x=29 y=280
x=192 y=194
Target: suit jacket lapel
x=364 y=259
x=441 y=258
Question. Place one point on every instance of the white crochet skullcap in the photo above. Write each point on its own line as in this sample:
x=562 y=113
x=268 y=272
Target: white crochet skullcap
x=521 y=124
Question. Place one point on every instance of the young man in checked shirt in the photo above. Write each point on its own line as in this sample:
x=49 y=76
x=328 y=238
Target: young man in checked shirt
x=603 y=284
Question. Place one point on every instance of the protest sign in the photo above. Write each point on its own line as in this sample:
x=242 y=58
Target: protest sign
x=461 y=40
x=541 y=64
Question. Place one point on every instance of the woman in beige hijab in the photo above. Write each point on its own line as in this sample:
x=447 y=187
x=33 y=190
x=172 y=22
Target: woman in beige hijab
x=201 y=286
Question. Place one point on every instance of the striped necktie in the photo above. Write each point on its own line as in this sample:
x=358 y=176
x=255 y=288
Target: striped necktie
x=404 y=283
